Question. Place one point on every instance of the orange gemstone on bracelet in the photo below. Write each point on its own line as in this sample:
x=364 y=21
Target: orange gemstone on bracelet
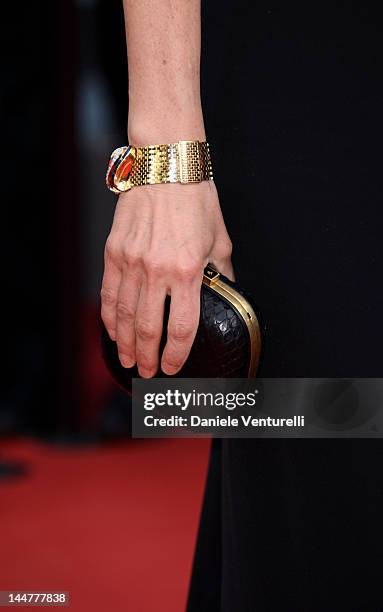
x=124 y=168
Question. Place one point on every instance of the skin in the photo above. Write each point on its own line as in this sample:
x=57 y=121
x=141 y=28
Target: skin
x=162 y=236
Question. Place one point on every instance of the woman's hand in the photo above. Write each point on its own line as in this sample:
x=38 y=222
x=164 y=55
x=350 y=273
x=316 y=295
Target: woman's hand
x=161 y=239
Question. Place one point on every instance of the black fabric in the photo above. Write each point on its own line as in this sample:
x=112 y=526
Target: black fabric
x=293 y=101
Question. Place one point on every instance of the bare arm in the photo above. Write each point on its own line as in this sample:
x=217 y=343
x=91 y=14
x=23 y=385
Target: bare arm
x=163 y=40
x=162 y=235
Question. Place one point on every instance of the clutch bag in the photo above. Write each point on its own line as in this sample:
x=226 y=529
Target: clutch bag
x=228 y=339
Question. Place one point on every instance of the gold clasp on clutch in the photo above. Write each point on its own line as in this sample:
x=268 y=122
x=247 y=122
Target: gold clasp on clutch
x=210 y=275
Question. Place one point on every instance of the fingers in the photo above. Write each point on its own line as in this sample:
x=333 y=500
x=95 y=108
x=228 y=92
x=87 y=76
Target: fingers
x=126 y=308
x=133 y=308
x=149 y=325
x=109 y=292
x=156 y=247
x=183 y=324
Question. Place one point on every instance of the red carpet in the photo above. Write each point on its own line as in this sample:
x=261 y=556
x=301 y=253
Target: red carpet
x=114 y=525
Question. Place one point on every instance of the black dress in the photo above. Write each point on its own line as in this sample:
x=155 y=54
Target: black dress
x=293 y=106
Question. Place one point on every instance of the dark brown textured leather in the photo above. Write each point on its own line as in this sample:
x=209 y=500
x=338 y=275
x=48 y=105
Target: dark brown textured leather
x=221 y=348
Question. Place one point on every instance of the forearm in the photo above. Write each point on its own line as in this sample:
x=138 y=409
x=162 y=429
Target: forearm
x=162 y=237
x=163 y=42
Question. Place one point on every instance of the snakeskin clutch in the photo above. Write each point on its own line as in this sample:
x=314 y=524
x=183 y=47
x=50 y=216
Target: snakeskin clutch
x=228 y=339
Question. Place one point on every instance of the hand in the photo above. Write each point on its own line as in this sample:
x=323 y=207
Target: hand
x=161 y=239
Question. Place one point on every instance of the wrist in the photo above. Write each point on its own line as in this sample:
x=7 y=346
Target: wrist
x=167 y=126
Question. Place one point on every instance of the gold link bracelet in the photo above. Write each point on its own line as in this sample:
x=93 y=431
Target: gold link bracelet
x=186 y=161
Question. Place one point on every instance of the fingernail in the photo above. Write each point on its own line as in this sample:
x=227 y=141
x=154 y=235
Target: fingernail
x=127 y=362
x=112 y=334
x=145 y=373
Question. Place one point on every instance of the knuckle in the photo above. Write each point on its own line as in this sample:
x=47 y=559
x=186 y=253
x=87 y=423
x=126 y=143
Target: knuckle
x=146 y=330
x=181 y=330
x=112 y=249
x=124 y=311
x=188 y=270
x=132 y=257
x=225 y=249
x=108 y=296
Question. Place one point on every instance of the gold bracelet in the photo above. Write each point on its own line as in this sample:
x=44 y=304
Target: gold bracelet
x=186 y=161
